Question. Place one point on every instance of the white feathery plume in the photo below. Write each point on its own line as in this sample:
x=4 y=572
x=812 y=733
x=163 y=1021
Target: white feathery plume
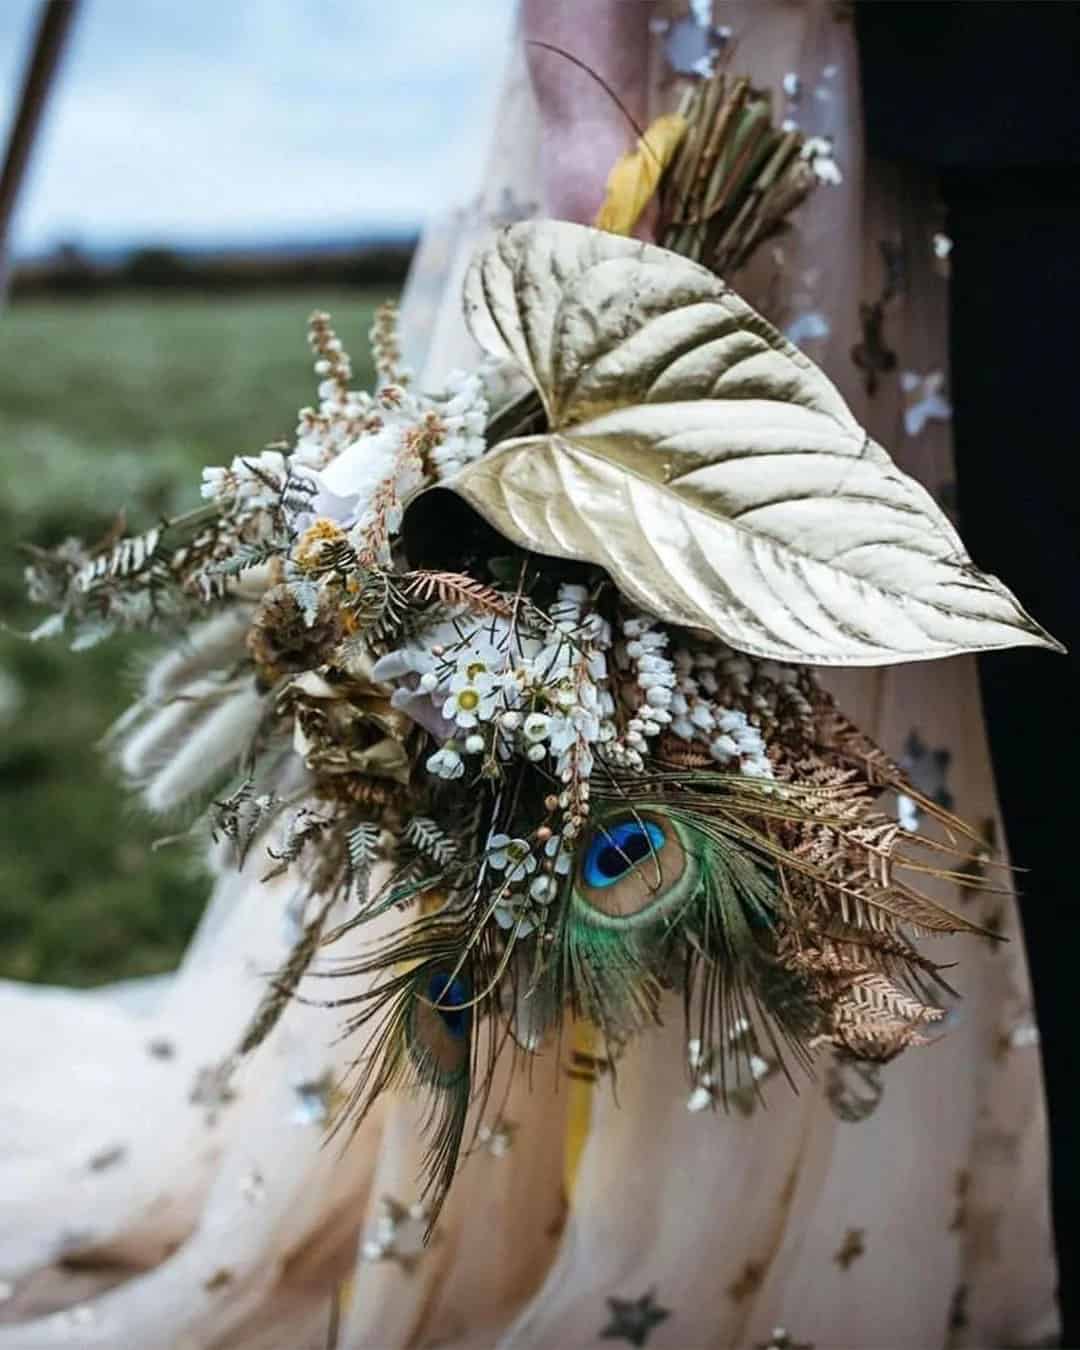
x=215 y=742
x=210 y=646
x=145 y=750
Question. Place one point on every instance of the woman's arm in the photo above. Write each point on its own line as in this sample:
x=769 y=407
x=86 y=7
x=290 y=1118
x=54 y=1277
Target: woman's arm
x=584 y=130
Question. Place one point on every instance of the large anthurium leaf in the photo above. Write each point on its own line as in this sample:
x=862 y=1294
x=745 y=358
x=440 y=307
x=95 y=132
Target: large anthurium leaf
x=709 y=466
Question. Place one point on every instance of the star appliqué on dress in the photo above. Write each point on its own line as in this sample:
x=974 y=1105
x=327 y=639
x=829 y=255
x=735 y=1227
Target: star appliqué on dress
x=632 y=1320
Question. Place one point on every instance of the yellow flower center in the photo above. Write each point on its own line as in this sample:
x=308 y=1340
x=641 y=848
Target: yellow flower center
x=309 y=547
x=475 y=668
x=468 y=700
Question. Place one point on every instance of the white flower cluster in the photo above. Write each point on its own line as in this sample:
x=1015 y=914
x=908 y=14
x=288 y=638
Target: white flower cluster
x=463 y=412
x=554 y=700
x=642 y=654
x=733 y=741
x=568 y=679
x=341 y=418
x=343 y=414
x=546 y=699
x=414 y=438
x=529 y=879
x=359 y=456
x=255 y=480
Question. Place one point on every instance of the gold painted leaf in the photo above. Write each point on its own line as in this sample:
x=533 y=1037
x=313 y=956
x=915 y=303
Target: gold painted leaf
x=635 y=175
x=709 y=466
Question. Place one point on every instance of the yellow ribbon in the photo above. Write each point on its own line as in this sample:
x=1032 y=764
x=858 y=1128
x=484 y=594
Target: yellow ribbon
x=636 y=175
x=579 y=1108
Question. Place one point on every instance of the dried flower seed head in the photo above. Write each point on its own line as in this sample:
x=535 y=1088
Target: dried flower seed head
x=281 y=640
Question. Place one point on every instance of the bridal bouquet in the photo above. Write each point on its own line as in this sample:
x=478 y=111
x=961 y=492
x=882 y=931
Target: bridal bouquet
x=525 y=668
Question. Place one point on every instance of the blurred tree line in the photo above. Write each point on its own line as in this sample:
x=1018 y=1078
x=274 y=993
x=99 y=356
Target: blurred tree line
x=73 y=272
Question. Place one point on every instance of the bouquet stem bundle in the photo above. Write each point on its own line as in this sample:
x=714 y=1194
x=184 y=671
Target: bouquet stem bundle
x=734 y=178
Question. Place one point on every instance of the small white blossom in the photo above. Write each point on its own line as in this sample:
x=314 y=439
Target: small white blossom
x=446 y=763
x=702 y=715
x=512 y=856
x=473 y=697
x=517 y=912
x=563 y=857
x=218 y=483
x=542 y=889
x=537 y=727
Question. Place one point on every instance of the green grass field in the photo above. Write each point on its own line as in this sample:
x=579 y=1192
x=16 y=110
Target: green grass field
x=107 y=405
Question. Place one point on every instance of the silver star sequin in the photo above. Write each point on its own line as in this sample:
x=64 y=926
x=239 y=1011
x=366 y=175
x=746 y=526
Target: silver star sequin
x=313 y=1098
x=853 y=1086
x=744 y=1095
x=925 y=400
x=781 y=1340
x=397 y=1234
x=927 y=769
x=212 y=1089
x=497 y=1139
x=633 y=1320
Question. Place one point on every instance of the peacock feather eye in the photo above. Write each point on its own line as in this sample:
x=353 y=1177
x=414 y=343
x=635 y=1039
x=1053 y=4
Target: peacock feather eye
x=448 y=996
x=618 y=849
x=633 y=866
x=440 y=1021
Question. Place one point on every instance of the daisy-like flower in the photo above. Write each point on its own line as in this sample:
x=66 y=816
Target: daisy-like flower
x=517 y=912
x=446 y=763
x=512 y=856
x=473 y=695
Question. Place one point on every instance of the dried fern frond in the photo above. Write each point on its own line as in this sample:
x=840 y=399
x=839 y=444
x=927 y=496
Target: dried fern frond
x=455 y=589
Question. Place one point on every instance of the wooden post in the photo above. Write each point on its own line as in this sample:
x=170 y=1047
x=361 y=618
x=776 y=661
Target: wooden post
x=53 y=25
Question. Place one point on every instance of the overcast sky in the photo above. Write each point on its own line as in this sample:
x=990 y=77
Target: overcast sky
x=217 y=121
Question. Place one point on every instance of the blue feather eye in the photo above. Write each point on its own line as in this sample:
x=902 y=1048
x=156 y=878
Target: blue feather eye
x=438 y=1026
x=618 y=849
x=448 y=997
x=633 y=867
